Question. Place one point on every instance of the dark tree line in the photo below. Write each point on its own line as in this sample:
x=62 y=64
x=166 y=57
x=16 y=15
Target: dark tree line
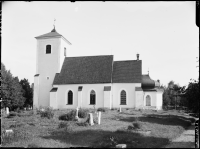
x=176 y=96
x=14 y=93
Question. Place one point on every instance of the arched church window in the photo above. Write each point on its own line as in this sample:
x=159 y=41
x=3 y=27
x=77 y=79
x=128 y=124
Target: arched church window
x=123 y=97
x=48 y=49
x=64 y=51
x=92 y=97
x=70 y=97
x=148 y=100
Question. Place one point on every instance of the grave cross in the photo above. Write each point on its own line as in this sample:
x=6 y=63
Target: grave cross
x=77 y=112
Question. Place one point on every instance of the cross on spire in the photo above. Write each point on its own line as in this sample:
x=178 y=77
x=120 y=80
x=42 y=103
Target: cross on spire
x=54 y=23
x=54 y=30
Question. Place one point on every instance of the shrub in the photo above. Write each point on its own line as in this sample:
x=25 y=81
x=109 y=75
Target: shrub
x=12 y=114
x=83 y=113
x=62 y=124
x=136 y=125
x=136 y=119
x=121 y=130
x=102 y=109
x=68 y=126
x=18 y=110
x=83 y=124
x=48 y=112
x=63 y=117
x=70 y=116
x=130 y=127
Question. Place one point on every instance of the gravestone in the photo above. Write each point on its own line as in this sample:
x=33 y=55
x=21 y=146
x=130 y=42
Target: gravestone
x=120 y=109
x=77 y=113
x=99 y=117
x=7 y=110
x=91 y=122
x=121 y=146
x=9 y=132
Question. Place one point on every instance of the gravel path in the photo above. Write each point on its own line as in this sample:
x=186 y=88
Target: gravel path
x=185 y=140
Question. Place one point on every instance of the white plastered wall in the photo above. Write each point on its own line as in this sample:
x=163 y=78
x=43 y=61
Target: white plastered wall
x=63 y=45
x=153 y=96
x=47 y=66
x=159 y=100
x=130 y=94
x=53 y=100
x=36 y=92
x=80 y=99
x=64 y=89
x=107 y=99
x=139 y=102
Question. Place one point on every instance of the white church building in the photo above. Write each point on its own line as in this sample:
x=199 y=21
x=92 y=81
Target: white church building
x=64 y=82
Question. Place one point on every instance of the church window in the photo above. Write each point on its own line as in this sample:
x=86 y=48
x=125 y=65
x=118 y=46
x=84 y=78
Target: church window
x=123 y=97
x=148 y=100
x=92 y=97
x=70 y=97
x=64 y=51
x=48 y=49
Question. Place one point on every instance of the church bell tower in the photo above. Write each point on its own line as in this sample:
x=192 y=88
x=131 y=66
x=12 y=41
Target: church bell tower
x=51 y=51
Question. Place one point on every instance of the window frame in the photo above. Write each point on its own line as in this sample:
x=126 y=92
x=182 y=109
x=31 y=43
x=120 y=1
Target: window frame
x=70 y=100
x=92 y=97
x=121 y=103
x=47 y=52
x=149 y=101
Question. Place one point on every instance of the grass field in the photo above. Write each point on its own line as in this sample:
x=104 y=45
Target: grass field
x=30 y=130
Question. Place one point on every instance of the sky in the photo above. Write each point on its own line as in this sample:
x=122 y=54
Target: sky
x=163 y=33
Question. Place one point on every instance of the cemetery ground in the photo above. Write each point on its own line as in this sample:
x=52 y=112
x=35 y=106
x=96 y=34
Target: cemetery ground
x=135 y=128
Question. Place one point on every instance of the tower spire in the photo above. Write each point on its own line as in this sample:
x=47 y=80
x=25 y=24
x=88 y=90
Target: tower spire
x=54 y=30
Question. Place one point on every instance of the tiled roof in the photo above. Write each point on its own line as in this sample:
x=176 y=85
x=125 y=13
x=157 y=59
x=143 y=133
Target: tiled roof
x=36 y=75
x=53 y=33
x=54 y=89
x=127 y=71
x=107 y=88
x=138 y=89
x=55 y=81
x=153 y=89
x=85 y=70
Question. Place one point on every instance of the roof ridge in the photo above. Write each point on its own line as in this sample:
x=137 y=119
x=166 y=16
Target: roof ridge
x=88 y=56
x=126 y=60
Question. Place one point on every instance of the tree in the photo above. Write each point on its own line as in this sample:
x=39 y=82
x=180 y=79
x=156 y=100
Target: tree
x=6 y=83
x=170 y=95
x=192 y=96
x=17 y=94
x=11 y=90
x=28 y=93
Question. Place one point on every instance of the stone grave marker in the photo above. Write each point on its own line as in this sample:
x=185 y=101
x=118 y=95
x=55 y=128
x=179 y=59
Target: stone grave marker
x=99 y=117
x=91 y=122
x=121 y=146
x=120 y=109
x=77 y=113
x=7 y=110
